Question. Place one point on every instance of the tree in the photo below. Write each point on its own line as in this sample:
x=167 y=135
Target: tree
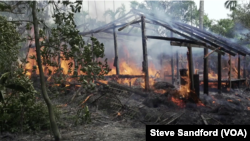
x=201 y=14
x=231 y=5
x=241 y=17
x=223 y=27
x=62 y=39
x=54 y=126
x=134 y=4
x=9 y=43
x=119 y=11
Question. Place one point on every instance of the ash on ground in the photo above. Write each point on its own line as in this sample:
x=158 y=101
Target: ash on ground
x=118 y=114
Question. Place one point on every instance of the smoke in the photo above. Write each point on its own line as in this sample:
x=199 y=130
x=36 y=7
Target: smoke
x=133 y=45
x=97 y=8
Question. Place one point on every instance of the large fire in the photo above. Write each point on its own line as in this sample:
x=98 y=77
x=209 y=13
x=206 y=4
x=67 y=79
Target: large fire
x=125 y=68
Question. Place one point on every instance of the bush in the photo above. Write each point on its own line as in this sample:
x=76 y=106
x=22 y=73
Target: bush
x=19 y=110
x=9 y=48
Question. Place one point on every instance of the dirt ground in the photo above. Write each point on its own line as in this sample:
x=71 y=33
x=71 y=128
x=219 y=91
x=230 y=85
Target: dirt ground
x=122 y=115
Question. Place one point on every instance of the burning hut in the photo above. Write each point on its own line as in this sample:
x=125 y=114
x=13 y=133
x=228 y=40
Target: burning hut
x=182 y=35
x=177 y=69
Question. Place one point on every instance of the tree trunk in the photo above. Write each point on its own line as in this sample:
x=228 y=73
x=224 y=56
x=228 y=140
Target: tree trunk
x=53 y=124
x=201 y=13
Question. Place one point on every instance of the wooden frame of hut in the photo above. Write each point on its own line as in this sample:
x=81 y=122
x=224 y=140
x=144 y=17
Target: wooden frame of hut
x=189 y=37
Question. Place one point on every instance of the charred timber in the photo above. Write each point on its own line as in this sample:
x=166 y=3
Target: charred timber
x=219 y=73
x=175 y=39
x=113 y=84
x=110 y=26
x=172 y=61
x=226 y=80
x=197 y=84
x=186 y=36
x=145 y=54
x=172 y=68
x=205 y=72
x=190 y=67
x=213 y=38
x=238 y=69
x=177 y=64
x=92 y=46
x=212 y=52
x=124 y=76
x=230 y=71
x=244 y=67
x=124 y=34
x=210 y=41
x=206 y=40
x=116 y=62
x=175 y=43
x=126 y=25
x=183 y=74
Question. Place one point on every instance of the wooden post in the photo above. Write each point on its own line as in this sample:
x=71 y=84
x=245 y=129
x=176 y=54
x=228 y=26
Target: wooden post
x=244 y=67
x=230 y=71
x=239 y=70
x=59 y=59
x=190 y=67
x=145 y=55
x=172 y=61
x=172 y=67
x=177 y=64
x=219 y=72
x=197 y=84
x=183 y=74
x=93 y=58
x=162 y=69
x=205 y=72
x=116 y=62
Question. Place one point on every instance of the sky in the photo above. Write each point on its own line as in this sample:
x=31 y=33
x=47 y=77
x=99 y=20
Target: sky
x=214 y=8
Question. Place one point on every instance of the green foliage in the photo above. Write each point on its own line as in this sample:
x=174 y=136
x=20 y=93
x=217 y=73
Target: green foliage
x=19 y=110
x=231 y=4
x=65 y=39
x=223 y=27
x=9 y=39
x=83 y=116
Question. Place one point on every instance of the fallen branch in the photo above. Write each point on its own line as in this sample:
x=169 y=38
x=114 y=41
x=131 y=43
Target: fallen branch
x=168 y=118
x=113 y=84
x=175 y=118
x=124 y=76
x=212 y=52
x=77 y=92
x=216 y=120
x=86 y=99
x=204 y=120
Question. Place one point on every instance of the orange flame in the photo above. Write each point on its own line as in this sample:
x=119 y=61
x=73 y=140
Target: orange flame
x=178 y=102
